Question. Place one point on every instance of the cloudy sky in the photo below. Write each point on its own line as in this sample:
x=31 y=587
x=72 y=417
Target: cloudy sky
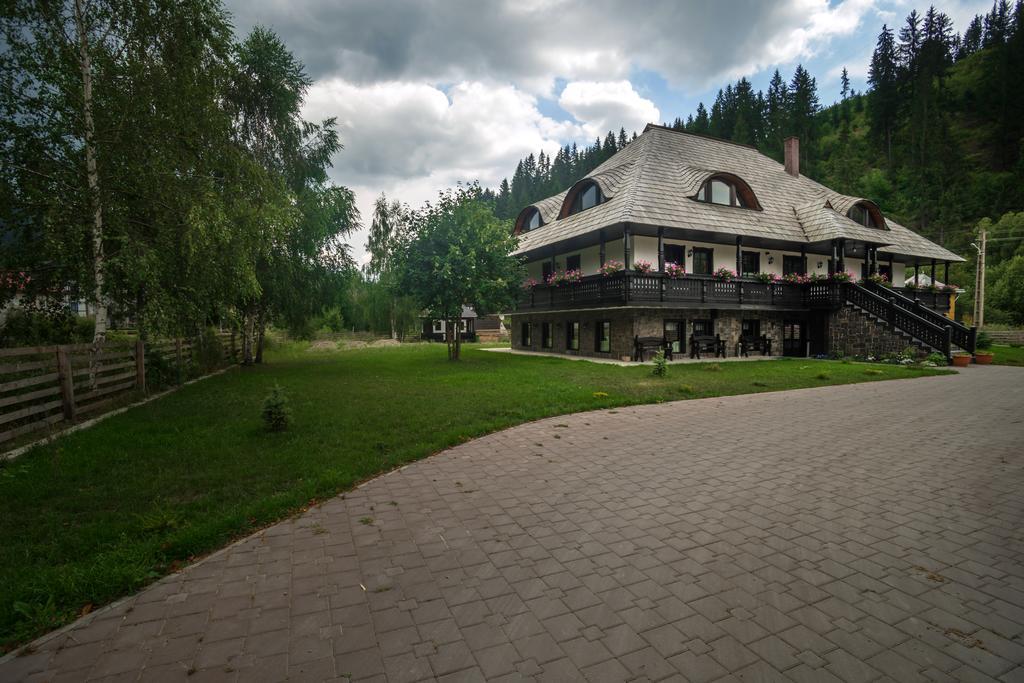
x=431 y=92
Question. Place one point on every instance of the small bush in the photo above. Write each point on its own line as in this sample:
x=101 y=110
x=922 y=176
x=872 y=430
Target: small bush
x=937 y=359
x=26 y=327
x=277 y=416
x=983 y=340
x=209 y=352
x=160 y=372
x=660 y=364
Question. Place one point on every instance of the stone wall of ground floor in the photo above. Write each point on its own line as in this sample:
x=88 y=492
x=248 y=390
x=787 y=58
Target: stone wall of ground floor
x=853 y=333
x=627 y=323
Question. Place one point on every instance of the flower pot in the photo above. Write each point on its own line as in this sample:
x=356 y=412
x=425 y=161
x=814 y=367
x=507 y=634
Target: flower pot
x=983 y=358
x=961 y=361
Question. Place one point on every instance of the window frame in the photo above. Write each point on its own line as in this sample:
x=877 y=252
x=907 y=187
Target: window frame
x=711 y=259
x=547 y=330
x=677 y=345
x=576 y=205
x=572 y=335
x=682 y=254
x=746 y=323
x=706 y=193
x=547 y=269
x=600 y=339
x=532 y=217
x=756 y=255
x=702 y=322
x=573 y=259
x=526 y=335
x=791 y=258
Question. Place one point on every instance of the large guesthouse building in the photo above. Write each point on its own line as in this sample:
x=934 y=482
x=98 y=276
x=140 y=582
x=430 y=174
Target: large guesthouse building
x=703 y=245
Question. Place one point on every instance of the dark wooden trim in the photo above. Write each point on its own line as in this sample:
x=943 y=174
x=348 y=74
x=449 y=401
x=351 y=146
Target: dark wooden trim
x=661 y=249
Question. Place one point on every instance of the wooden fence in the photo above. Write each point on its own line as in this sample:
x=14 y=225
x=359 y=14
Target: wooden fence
x=43 y=386
x=1006 y=336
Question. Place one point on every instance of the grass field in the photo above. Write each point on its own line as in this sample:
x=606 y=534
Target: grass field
x=102 y=512
x=1007 y=355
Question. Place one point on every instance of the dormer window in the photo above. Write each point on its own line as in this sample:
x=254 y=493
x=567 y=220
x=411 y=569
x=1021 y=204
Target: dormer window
x=727 y=191
x=863 y=214
x=528 y=219
x=586 y=197
x=531 y=221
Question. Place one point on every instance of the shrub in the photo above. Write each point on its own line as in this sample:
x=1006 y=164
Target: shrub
x=209 y=352
x=674 y=270
x=983 y=341
x=160 y=372
x=277 y=416
x=660 y=364
x=936 y=358
x=611 y=266
x=767 y=278
x=724 y=274
x=40 y=328
x=642 y=266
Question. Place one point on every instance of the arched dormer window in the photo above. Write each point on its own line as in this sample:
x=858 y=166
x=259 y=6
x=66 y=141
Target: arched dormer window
x=866 y=214
x=584 y=196
x=528 y=220
x=727 y=190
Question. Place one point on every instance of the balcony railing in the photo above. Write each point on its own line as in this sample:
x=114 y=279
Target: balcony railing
x=625 y=288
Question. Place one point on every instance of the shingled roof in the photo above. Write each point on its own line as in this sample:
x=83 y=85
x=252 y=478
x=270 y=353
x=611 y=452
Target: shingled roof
x=654 y=179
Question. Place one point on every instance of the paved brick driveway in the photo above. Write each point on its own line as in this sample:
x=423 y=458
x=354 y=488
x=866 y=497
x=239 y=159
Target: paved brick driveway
x=862 y=533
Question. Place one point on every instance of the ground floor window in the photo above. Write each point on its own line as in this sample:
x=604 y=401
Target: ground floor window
x=750 y=328
x=674 y=330
x=792 y=337
x=792 y=265
x=603 y=337
x=703 y=327
x=526 y=332
x=438 y=326
x=886 y=271
x=545 y=335
x=572 y=341
x=572 y=262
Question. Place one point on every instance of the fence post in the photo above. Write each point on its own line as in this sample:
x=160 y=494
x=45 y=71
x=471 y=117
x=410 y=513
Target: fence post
x=140 y=365
x=177 y=354
x=947 y=342
x=67 y=383
x=972 y=338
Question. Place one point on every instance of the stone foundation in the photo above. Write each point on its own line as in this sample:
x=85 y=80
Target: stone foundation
x=627 y=323
x=853 y=333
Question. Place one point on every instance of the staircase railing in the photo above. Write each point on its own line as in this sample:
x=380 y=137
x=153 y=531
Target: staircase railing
x=962 y=336
x=928 y=332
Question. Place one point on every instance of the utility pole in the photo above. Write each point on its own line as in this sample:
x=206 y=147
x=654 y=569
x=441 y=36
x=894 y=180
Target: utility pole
x=979 y=283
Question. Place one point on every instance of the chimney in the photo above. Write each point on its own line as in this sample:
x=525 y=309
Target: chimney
x=792 y=150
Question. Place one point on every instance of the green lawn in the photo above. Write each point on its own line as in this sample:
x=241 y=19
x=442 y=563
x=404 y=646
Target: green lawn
x=1007 y=355
x=102 y=512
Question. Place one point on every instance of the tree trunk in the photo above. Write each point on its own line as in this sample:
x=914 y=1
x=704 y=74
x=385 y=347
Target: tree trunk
x=92 y=178
x=247 y=332
x=394 y=332
x=458 y=338
x=261 y=328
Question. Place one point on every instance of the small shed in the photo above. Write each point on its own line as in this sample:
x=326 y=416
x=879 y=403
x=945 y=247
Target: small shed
x=435 y=330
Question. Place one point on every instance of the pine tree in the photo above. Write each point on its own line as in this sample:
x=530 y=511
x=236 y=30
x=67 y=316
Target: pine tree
x=883 y=100
x=844 y=80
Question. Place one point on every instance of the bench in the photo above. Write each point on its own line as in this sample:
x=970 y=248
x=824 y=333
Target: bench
x=762 y=344
x=708 y=344
x=642 y=345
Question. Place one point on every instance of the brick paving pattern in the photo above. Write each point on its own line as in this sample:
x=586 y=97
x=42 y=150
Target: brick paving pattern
x=857 y=533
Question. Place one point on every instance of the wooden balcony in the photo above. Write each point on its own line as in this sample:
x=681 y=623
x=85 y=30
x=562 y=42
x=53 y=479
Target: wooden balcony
x=657 y=289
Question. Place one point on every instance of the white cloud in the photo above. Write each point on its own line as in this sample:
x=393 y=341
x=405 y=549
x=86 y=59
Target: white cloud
x=607 y=105
x=411 y=140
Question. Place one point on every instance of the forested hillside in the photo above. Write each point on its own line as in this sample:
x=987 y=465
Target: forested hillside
x=936 y=140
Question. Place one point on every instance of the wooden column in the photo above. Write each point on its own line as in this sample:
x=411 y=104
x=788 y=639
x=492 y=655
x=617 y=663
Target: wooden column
x=933 y=272
x=833 y=259
x=842 y=255
x=554 y=265
x=945 y=273
x=739 y=255
x=626 y=262
x=892 y=272
x=917 y=271
x=661 y=250
x=602 y=248
x=803 y=259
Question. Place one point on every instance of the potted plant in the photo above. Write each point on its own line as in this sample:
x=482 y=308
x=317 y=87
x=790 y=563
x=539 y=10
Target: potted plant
x=767 y=278
x=724 y=274
x=674 y=270
x=611 y=267
x=961 y=360
x=529 y=283
x=983 y=349
x=879 y=279
x=642 y=266
x=797 y=278
x=842 y=276
x=572 y=276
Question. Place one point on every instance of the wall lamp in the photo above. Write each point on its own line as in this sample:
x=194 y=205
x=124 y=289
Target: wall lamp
x=771 y=259
x=689 y=252
x=819 y=264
